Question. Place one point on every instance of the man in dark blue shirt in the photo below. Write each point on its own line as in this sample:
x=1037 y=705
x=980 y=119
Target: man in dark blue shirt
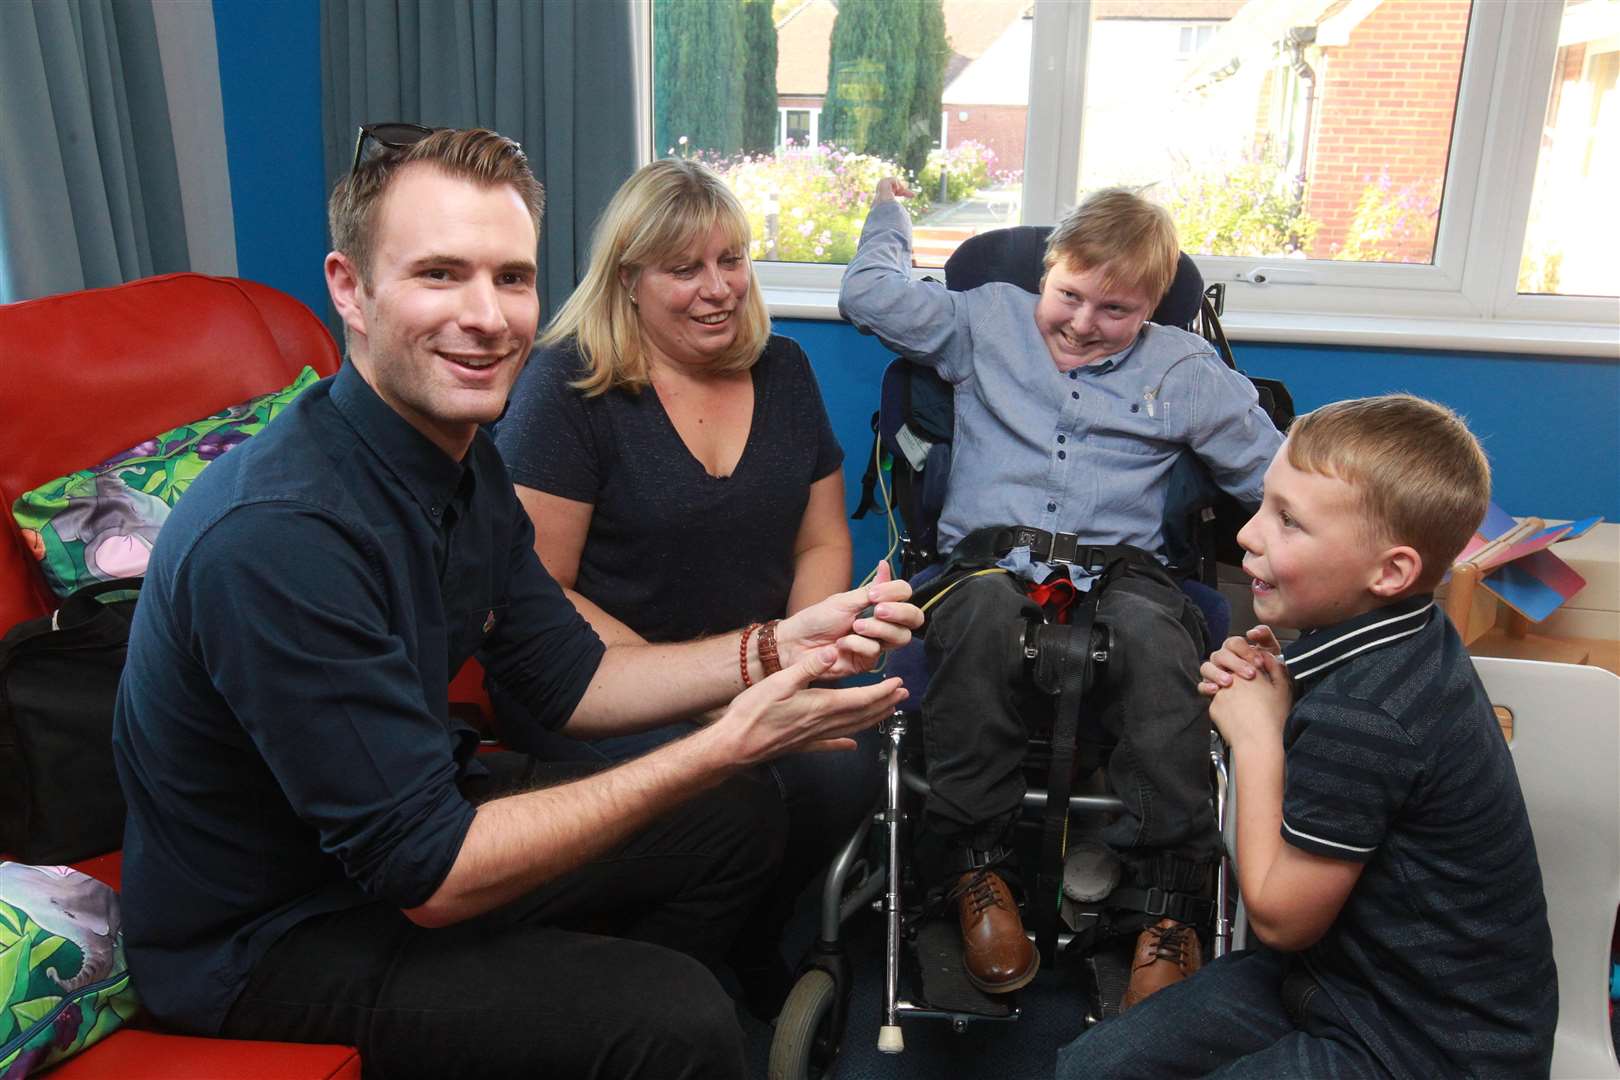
x=314 y=850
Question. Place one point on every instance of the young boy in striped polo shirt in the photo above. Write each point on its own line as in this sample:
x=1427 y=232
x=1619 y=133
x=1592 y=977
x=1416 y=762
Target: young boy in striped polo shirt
x=1384 y=851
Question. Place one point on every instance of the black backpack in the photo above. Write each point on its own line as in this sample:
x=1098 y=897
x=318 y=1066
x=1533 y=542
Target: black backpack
x=59 y=794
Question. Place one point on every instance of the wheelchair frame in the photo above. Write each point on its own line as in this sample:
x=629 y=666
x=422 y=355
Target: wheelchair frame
x=811 y=1025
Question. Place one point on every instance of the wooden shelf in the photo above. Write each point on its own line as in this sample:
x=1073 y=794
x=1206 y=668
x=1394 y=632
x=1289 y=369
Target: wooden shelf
x=1500 y=641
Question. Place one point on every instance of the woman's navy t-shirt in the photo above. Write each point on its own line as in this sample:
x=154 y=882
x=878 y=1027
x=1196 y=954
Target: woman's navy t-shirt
x=673 y=552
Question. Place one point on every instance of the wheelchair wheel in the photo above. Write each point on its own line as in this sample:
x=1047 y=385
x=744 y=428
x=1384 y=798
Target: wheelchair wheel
x=806 y=1044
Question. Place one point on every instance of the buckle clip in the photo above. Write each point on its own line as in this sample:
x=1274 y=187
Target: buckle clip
x=1062 y=550
x=1157 y=902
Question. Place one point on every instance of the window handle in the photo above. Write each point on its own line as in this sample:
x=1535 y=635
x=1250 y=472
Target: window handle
x=1276 y=275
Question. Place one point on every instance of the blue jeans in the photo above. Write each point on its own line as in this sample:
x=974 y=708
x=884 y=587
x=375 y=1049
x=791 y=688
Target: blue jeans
x=1230 y=1021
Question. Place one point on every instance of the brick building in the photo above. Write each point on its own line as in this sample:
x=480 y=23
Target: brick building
x=1387 y=88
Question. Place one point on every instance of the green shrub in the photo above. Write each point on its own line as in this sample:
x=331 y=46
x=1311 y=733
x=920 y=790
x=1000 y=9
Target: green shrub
x=1253 y=208
x=1391 y=224
x=967 y=167
x=821 y=199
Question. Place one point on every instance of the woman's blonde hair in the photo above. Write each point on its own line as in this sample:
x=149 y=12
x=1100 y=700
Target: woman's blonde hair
x=660 y=213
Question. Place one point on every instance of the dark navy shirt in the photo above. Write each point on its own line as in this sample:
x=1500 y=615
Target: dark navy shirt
x=1441 y=958
x=663 y=530
x=282 y=732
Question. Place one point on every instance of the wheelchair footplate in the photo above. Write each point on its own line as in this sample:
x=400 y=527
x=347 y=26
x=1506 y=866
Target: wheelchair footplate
x=935 y=955
x=1107 y=974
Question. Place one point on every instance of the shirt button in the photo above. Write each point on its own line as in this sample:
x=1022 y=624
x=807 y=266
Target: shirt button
x=1062 y=455
x=1076 y=395
x=1063 y=438
x=1074 y=374
x=435 y=511
x=1051 y=506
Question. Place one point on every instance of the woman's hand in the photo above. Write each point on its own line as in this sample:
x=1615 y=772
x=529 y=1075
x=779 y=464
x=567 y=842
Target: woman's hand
x=1237 y=656
x=890 y=188
x=839 y=621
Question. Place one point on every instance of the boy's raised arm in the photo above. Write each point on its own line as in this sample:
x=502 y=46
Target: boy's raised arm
x=917 y=319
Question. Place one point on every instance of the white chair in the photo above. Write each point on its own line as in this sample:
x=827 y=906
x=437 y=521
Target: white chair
x=1566 y=749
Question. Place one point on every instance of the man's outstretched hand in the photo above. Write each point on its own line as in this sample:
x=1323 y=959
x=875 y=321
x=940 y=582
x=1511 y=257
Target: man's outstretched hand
x=785 y=713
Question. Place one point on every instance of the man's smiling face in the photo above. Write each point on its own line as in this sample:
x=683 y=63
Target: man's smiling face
x=448 y=313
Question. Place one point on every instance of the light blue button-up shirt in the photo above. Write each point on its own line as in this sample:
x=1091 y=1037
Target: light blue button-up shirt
x=1087 y=451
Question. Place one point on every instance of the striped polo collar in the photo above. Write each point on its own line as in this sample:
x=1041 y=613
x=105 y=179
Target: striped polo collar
x=1320 y=650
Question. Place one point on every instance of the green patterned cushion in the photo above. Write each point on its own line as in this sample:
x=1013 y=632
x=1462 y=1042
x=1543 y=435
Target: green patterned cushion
x=64 y=983
x=99 y=523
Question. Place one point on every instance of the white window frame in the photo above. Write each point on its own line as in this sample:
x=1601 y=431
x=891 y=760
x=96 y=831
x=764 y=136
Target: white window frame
x=1466 y=299
x=814 y=115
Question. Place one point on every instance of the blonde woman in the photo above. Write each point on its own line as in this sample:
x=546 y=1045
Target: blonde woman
x=683 y=477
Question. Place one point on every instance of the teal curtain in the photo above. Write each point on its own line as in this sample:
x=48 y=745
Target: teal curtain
x=556 y=75
x=89 y=188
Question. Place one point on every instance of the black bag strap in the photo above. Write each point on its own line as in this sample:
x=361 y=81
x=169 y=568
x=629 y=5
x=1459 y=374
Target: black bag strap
x=1158 y=902
x=86 y=603
x=870 y=477
x=77 y=610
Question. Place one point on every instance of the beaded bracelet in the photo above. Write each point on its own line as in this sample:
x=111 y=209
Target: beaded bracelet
x=742 y=653
x=769 y=660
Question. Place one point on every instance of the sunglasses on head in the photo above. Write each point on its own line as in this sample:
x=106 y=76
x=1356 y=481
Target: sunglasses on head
x=391 y=136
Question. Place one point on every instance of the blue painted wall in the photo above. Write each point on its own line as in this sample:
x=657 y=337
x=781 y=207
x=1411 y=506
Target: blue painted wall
x=270 y=85
x=1550 y=425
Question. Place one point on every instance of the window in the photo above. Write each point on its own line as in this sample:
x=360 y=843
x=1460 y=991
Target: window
x=798 y=128
x=937 y=90
x=1194 y=36
x=1424 y=172
x=1573 y=224
x=1323 y=139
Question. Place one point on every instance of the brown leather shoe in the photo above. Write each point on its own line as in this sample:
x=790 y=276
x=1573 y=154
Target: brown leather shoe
x=996 y=954
x=1166 y=953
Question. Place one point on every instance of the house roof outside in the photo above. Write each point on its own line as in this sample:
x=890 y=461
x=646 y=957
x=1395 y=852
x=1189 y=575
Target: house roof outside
x=1001 y=75
x=1166 y=10
x=804 y=39
x=803 y=44
x=1254 y=29
x=972 y=26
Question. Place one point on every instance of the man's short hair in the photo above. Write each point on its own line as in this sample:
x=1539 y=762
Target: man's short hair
x=658 y=214
x=484 y=157
x=1132 y=239
x=1421 y=476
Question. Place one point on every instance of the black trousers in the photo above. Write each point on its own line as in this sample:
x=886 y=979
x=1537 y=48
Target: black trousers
x=604 y=972
x=1145 y=719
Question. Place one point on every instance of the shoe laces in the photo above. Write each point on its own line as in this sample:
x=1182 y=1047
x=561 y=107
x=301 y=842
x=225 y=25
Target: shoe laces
x=980 y=890
x=1169 y=942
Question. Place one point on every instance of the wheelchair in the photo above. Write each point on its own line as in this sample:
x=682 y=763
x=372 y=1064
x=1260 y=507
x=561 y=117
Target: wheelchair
x=910 y=466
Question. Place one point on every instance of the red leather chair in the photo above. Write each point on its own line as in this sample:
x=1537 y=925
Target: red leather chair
x=88 y=374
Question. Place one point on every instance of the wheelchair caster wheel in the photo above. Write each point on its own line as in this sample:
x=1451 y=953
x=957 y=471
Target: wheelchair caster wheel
x=806 y=1042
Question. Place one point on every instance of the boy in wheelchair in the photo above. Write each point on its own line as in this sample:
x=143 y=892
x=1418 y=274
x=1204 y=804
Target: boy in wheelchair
x=1383 y=848
x=1070 y=411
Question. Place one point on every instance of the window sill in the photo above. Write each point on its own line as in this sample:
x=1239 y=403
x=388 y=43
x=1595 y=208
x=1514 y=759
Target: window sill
x=1356 y=331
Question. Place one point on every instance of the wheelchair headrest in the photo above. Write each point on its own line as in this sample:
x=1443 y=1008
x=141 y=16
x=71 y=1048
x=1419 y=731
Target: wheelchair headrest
x=1015 y=255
